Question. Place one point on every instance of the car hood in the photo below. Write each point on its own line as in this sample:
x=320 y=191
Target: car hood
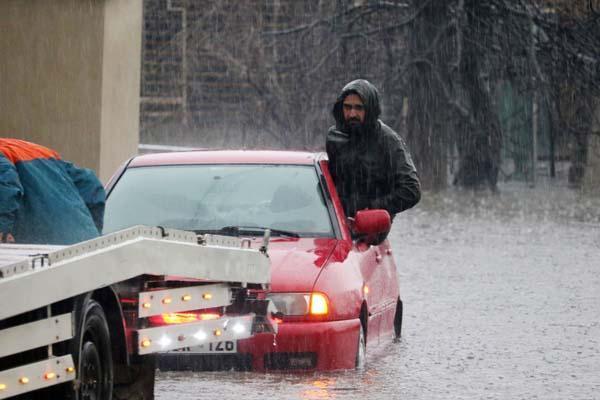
x=296 y=263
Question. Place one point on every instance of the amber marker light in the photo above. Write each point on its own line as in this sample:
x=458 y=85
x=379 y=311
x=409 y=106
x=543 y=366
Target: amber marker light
x=186 y=297
x=319 y=305
x=147 y=305
x=207 y=296
x=3 y=386
x=24 y=380
x=70 y=370
x=218 y=332
x=167 y=300
x=179 y=318
x=49 y=375
x=146 y=343
x=365 y=289
x=209 y=316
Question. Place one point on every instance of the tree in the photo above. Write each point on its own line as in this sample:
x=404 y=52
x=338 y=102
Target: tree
x=275 y=67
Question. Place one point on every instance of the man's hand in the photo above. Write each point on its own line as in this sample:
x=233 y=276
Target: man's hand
x=6 y=238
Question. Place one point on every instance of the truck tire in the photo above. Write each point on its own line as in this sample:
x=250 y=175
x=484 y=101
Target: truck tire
x=139 y=381
x=92 y=355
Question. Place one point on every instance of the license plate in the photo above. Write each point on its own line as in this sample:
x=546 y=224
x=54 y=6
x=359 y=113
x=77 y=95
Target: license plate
x=221 y=347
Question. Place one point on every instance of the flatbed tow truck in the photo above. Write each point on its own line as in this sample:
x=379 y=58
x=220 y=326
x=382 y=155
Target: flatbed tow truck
x=76 y=322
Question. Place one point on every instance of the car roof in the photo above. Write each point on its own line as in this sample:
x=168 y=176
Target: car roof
x=227 y=157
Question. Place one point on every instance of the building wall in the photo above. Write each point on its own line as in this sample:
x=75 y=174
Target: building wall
x=69 y=77
x=122 y=47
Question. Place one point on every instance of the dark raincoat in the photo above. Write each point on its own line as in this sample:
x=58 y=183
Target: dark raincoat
x=44 y=199
x=371 y=168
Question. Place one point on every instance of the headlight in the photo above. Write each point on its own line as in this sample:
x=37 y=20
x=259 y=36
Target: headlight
x=290 y=303
x=300 y=303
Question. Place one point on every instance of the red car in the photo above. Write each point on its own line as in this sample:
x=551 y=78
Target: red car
x=335 y=291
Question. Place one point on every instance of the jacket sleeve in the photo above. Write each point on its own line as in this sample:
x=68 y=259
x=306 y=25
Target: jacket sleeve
x=91 y=191
x=335 y=139
x=402 y=179
x=11 y=193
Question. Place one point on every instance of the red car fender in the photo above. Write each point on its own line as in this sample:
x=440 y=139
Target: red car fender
x=341 y=281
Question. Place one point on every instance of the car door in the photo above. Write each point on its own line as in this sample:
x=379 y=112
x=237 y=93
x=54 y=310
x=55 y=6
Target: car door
x=374 y=287
x=370 y=260
x=390 y=292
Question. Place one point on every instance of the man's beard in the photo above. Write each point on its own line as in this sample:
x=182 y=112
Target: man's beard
x=353 y=127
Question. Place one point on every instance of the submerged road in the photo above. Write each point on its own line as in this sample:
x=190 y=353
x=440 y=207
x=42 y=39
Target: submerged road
x=502 y=301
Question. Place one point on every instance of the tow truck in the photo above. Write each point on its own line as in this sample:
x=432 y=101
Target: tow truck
x=78 y=321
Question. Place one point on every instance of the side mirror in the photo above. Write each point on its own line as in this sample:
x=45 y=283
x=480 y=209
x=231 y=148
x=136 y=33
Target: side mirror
x=372 y=225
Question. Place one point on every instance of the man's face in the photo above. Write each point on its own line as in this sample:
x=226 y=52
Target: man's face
x=354 y=110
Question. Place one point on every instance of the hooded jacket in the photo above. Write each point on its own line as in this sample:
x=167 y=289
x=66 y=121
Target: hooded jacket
x=44 y=199
x=372 y=167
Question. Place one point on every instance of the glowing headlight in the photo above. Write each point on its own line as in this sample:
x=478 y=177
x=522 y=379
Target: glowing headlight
x=238 y=329
x=200 y=335
x=164 y=341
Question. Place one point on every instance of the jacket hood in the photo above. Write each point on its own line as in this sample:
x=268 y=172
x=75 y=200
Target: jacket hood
x=370 y=97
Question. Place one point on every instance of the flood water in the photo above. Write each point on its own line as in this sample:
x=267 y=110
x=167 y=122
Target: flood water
x=502 y=301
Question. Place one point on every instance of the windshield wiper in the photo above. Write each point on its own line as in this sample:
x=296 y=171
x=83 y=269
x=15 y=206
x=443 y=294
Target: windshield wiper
x=258 y=229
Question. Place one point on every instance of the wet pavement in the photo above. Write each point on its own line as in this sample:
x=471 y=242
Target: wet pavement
x=502 y=301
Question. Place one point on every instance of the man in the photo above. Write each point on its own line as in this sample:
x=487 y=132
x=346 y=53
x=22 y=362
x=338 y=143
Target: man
x=369 y=162
x=44 y=199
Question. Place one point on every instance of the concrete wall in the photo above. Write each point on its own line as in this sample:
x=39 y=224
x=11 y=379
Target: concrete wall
x=121 y=83
x=69 y=77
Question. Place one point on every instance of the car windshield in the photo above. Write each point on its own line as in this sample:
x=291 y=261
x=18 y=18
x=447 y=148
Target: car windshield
x=207 y=198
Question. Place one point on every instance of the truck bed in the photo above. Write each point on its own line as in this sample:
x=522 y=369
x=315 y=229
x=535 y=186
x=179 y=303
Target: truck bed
x=16 y=253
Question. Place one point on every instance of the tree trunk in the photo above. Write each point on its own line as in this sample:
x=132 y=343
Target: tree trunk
x=427 y=116
x=479 y=135
x=580 y=141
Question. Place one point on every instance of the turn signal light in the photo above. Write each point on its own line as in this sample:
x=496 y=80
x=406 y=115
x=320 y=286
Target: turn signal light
x=319 y=305
x=183 y=318
x=209 y=316
x=179 y=318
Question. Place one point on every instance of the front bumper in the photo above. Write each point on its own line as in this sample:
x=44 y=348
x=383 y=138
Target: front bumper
x=301 y=346
x=325 y=345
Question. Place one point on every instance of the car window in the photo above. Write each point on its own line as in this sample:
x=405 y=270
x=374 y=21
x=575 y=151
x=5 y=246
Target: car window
x=209 y=197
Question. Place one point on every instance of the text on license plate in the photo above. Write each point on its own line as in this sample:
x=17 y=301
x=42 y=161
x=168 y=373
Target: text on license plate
x=225 y=346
